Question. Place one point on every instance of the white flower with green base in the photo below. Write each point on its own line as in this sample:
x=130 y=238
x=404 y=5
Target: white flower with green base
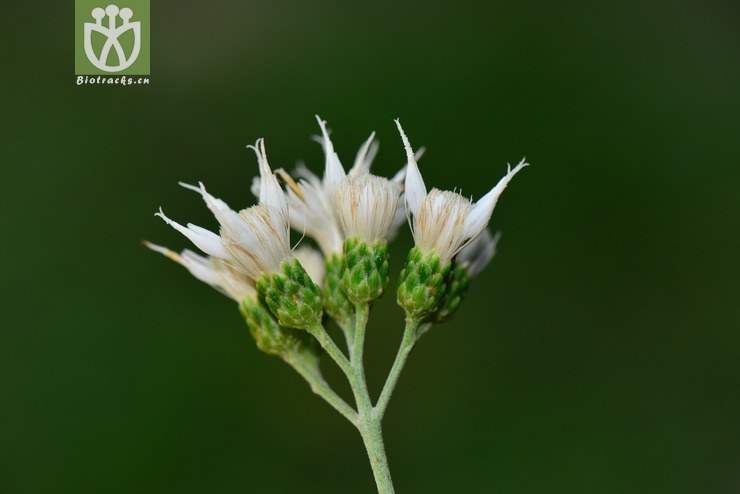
x=285 y=295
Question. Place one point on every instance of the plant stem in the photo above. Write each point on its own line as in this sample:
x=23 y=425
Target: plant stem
x=357 y=350
x=332 y=349
x=321 y=388
x=407 y=343
x=368 y=423
x=372 y=436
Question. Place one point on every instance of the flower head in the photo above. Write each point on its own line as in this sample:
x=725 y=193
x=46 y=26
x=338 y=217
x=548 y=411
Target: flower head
x=443 y=221
x=365 y=205
x=256 y=240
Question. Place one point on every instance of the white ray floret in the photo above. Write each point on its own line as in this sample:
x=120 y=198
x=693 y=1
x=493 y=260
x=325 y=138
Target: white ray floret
x=205 y=240
x=313 y=210
x=211 y=270
x=255 y=240
x=365 y=205
x=475 y=256
x=445 y=221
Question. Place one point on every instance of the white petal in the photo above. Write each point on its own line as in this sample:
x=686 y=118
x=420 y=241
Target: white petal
x=302 y=171
x=163 y=250
x=400 y=176
x=255 y=187
x=398 y=220
x=333 y=171
x=362 y=163
x=205 y=240
x=415 y=189
x=200 y=267
x=227 y=217
x=270 y=192
x=223 y=213
x=475 y=256
x=483 y=209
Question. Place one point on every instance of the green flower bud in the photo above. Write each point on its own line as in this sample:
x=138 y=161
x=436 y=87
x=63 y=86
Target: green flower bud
x=422 y=283
x=336 y=303
x=292 y=296
x=270 y=337
x=457 y=284
x=273 y=339
x=365 y=270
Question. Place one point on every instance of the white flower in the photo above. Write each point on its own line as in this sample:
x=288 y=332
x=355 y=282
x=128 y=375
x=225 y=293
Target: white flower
x=313 y=262
x=365 y=205
x=444 y=221
x=205 y=240
x=311 y=212
x=255 y=240
x=312 y=207
x=212 y=271
x=475 y=256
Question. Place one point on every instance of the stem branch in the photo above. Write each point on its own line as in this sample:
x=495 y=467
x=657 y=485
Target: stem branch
x=332 y=349
x=321 y=388
x=368 y=423
x=407 y=343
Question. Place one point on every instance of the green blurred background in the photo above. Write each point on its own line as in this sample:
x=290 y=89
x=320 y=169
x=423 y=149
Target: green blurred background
x=599 y=353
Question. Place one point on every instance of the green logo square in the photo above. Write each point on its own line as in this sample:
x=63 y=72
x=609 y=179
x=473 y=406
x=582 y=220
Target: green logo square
x=112 y=39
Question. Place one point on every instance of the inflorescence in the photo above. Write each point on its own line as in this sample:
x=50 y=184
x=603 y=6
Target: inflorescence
x=286 y=294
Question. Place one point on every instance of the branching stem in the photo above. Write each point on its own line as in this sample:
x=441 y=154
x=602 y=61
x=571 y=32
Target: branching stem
x=332 y=349
x=322 y=388
x=368 y=423
x=407 y=343
x=367 y=419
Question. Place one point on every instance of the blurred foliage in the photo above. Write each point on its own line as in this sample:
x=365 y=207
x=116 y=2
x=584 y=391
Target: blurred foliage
x=598 y=353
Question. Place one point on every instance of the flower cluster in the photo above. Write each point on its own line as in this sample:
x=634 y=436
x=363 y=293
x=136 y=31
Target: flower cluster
x=351 y=215
x=285 y=292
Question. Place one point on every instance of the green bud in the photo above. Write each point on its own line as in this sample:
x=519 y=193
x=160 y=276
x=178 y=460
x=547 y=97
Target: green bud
x=273 y=339
x=457 y=284
x=270 y=337
x=292 y=296
x=422 y=283
x=336 y=303
x=365 y=270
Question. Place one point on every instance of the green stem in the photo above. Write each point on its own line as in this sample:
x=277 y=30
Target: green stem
x=348 y=329
x=358 y=347
x=372 y=437
x=332 y=349
x=321 y=388
x=407 y=343
x=368 y=423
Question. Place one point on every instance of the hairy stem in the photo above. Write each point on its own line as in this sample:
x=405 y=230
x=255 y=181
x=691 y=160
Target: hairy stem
x=366 y=418
x=407 y=343
x=368 y=423
x=356 y=354
x=332 y=349
x=372 y=437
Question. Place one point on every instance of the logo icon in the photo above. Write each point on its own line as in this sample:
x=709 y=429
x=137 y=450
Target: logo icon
x=112 y=33
x=112 y=39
